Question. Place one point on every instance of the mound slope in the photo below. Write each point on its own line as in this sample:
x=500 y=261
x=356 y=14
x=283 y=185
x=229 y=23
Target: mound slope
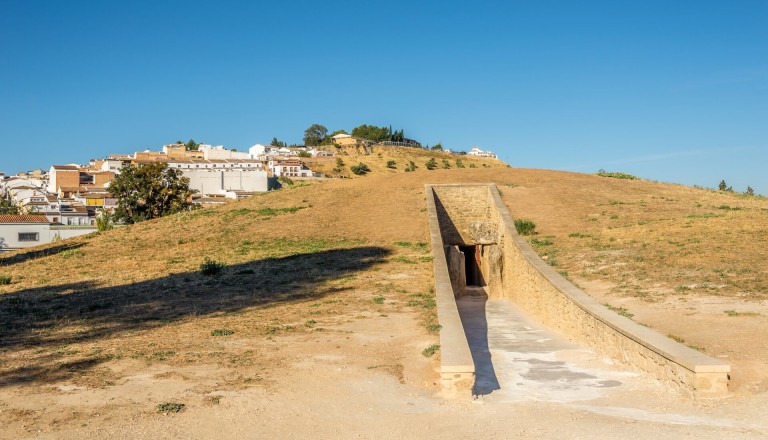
x=336 y=274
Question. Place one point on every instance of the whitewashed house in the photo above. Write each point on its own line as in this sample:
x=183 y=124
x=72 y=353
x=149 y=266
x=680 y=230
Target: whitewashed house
x=476 y=151
x=24 y=231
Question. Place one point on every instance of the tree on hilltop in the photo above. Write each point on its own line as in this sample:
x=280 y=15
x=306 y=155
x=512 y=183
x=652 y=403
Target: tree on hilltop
x=315 y=135
x=150 y=191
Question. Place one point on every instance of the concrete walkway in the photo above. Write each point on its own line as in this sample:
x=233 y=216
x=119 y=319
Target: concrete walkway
x=518 y=359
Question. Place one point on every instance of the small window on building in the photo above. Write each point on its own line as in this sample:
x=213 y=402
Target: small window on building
x=29 y=236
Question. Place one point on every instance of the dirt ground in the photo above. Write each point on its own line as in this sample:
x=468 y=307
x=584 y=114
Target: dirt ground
x=317 y=323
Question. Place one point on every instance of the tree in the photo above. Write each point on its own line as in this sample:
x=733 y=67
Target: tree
x=338 y=132
x=437 y=147
x=372 y=133
x=431 y=164
x=192 y=145
x=305 y=154
x=277 y=143
x=724 y=186
x=315 y=135
x=750 y=191
x=360 y=169
x=150 y=191
x=6 y=207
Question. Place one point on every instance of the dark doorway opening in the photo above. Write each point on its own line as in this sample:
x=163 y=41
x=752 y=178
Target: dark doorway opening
x=471 y=268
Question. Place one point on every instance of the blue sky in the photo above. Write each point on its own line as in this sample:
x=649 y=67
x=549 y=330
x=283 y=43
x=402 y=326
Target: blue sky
x=675 y=91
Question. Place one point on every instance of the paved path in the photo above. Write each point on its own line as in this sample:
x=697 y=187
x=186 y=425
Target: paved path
x=518 y=359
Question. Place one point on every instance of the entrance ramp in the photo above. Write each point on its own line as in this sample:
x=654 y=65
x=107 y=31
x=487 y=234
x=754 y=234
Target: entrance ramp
x=472 y=231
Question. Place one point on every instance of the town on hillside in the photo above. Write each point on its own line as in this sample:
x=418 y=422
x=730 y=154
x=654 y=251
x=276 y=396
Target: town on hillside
x=41 y=206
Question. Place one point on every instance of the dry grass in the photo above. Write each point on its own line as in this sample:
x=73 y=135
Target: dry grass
x=302 y=260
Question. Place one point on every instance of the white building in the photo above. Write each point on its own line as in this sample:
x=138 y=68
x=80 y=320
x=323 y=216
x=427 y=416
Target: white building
x=23 y=231
x=476 y=151
x=217 y=177
x=221 y=153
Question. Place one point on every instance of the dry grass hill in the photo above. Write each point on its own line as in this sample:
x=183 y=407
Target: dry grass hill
x=325 y=287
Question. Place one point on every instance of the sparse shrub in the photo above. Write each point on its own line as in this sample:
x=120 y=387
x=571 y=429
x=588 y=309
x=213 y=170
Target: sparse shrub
x=222 y=332
x=724 y=187
x=471 y=165
x=525 y=227
x=170 y=407
x=411 y=166
x=431 y=164
x=616 y=175
x=620 y=310
x=285 y=180
x=431 y=350
x=446 y=164
x=304 y=154
x=378 y=300
x=5 y=280
x=392 y=164
x=434 y=328
x=104 y=221
x=459 y=163
x=211 y=267
x=360 y=169
x=750 y=191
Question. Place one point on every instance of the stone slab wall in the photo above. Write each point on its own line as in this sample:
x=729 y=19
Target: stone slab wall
x=457 y=206
x=516 y=273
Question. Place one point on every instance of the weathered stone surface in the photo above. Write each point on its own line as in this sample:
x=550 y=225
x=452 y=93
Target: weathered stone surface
x=483 y=232
x=456 y=270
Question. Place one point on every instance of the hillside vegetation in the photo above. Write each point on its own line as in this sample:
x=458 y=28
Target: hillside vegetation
x=238 y=291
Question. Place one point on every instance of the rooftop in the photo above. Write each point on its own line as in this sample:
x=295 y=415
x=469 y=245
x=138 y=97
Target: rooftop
x=11 y=218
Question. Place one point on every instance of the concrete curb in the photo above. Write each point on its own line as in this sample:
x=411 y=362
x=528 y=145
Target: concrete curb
x=457 y=370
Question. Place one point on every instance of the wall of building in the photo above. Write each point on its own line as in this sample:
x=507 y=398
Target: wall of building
x=514 y=272
x=9 y=234
x=208 y=181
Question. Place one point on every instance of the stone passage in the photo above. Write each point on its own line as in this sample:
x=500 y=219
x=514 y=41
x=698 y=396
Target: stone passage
x=475 y=245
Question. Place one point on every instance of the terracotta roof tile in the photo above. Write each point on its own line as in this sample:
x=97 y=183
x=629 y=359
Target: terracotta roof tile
x=9 y=218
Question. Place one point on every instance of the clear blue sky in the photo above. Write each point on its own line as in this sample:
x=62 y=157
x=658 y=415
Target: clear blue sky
x=675 y=91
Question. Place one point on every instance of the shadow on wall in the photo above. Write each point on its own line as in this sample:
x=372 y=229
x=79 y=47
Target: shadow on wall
x=54 y=316
x=448 y=230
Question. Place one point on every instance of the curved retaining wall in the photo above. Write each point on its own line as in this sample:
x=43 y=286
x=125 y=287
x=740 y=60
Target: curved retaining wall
x=517 y=273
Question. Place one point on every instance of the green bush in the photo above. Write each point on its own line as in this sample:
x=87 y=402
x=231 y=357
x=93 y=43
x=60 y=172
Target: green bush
x=222 y=332
x=392 y=164
x=525 y=227
x=5 y=280
x=431 y=164
x=616 y=175
x=170 y=407
x=411 y=166
x=431 y=350
x=360 y=169
x=211 y=267
x=285 y=180
x=104 y=222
